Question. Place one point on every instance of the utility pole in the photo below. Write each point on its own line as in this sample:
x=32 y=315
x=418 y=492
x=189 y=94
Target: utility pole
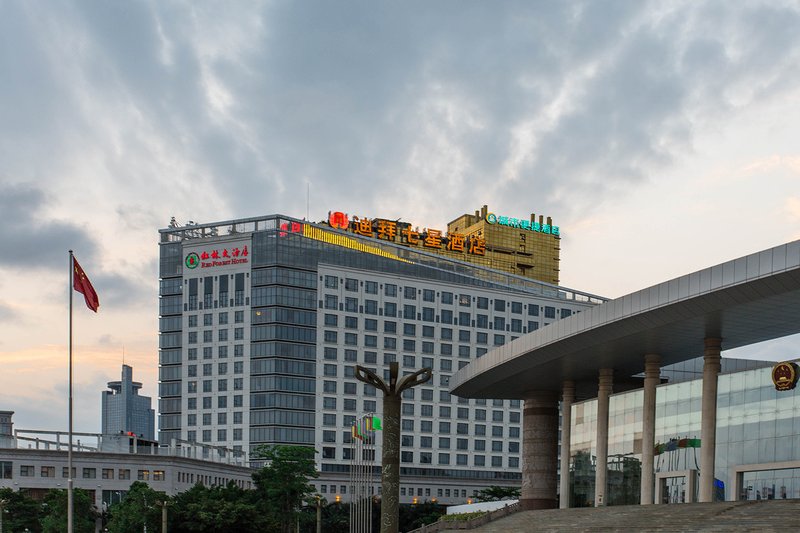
x=163 y=504
x=3 y=510
x=390 y=457
x=319 y=514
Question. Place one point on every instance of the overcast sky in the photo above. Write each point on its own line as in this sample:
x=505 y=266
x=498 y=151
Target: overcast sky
x=662 y=137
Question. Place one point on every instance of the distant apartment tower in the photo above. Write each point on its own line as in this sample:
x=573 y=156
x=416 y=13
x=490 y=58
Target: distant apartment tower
x=124 y=409
x=6 y=425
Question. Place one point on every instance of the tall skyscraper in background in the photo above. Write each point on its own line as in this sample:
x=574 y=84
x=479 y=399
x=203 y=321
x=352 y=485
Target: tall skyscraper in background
x=263 y=320
x=125 y=410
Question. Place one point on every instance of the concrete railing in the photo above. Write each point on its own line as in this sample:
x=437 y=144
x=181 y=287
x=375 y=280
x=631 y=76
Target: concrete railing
x=448 y=525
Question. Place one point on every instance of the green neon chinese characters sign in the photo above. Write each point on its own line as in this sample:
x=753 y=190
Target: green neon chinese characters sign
x=522 y=223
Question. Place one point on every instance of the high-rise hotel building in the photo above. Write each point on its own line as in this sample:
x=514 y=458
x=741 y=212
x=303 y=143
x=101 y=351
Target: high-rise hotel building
x=263 y=320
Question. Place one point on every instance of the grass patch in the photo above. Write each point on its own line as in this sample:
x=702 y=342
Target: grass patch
x=462 y=516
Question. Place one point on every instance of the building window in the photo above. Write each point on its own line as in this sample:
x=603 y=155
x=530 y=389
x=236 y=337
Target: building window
x=549 y=312
x=48 y=471
x=89 y=473
x=27 y=471
x=158 y=475
x=331 y=301
x=351 y=284
x=447 y=317
x=124 y=473
x=331 y=282
x=108 y=473
x=390 y=289
x=371 y=287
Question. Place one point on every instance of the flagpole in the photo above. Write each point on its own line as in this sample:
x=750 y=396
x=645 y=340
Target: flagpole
x=69 y=452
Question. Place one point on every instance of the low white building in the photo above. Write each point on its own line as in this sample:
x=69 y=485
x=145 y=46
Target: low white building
x=107 y=465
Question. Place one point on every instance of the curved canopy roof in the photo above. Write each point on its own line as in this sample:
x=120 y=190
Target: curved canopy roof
x=743 y=301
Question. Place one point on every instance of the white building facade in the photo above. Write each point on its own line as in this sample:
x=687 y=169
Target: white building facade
x=263 y=321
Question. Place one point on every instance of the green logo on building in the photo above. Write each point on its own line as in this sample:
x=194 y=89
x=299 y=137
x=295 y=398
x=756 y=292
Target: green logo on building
x=192 y=260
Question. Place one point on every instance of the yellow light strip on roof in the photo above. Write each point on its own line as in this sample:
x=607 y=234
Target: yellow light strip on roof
x=317 y=234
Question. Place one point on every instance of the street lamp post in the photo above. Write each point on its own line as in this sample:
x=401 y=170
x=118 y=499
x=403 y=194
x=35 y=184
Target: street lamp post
x=390 y=460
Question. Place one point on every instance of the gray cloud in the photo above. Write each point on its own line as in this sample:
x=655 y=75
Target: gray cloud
x=32 y=239
x=7 y=314
x=405 y=101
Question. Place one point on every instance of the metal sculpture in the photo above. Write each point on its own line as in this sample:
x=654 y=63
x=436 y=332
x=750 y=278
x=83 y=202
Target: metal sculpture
x=390 y=458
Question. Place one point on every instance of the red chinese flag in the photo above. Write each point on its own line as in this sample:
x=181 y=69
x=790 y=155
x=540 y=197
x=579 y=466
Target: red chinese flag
x=82 y=284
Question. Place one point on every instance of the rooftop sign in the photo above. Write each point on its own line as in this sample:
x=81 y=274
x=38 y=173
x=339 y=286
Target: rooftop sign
x=402 y=233
x=522 y=223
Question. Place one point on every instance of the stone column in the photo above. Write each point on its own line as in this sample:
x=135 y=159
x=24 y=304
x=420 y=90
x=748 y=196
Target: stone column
x=539 y=451
x=652 y=375
x=601 y=466
x=567 y=399
x=708 y=420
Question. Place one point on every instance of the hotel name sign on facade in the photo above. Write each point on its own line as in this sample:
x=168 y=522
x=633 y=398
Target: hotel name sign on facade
x=403 y=233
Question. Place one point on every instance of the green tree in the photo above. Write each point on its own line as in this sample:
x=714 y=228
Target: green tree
x=216 y=510
x=138 y=509
x=21 y=512
x=420 y=514
x=283 y=483
x=496 y=493
x=55 y=512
